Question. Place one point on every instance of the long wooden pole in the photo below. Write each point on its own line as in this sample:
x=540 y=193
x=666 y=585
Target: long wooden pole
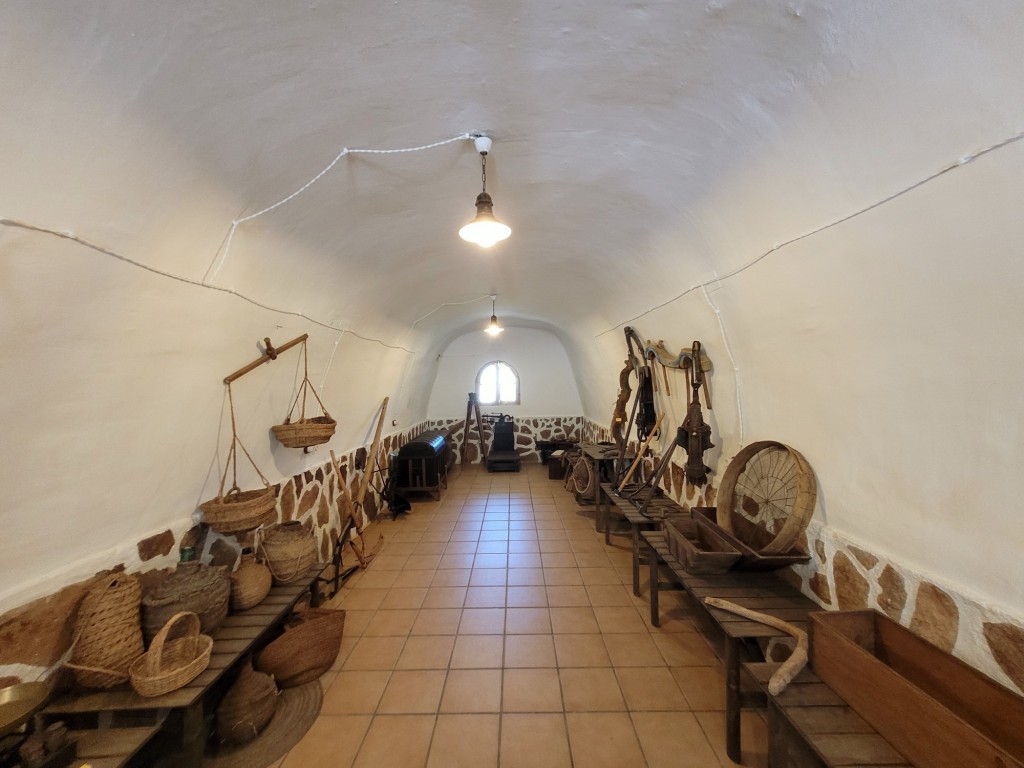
x=640 y=454
x=371 y=460
x=272 y=353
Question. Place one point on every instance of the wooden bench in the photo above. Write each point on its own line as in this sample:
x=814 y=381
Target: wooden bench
x=102 y=712
x=810 y=726
x=759 y=591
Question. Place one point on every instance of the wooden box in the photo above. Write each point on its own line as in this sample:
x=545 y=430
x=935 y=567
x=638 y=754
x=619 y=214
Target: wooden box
x=750 y=559
x=698 y=548
x=937 y=711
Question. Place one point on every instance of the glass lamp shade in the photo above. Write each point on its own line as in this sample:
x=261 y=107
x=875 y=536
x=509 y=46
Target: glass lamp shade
x=493 y=329
x=484 y=229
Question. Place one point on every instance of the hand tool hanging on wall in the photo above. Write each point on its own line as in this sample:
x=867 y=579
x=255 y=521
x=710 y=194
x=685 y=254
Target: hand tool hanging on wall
x=657 y=351
x=371 y=465
x=698 y=434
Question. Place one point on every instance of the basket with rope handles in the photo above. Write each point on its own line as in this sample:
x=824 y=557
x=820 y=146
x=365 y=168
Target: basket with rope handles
x=305 y=433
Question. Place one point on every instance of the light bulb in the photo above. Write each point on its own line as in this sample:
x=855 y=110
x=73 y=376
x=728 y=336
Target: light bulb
x=493 y=329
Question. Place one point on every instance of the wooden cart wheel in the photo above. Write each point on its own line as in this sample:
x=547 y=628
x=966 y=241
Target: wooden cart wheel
x=767 y=496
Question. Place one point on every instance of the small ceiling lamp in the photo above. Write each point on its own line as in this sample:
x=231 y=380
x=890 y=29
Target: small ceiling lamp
x=484 y=229
x=493 y=329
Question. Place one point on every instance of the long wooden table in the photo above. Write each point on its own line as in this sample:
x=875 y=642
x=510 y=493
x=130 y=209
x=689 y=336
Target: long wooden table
x=657 y=511
x=241 y=633
x=759 y=591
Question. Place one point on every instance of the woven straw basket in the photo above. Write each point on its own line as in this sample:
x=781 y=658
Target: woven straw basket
x=250 y=583
x=200 y=589
x=108 y=636
x=239 y=511
x=306 y=650
x=289 y=550
x=170 y=664
x=247 y=707
x=305 y=433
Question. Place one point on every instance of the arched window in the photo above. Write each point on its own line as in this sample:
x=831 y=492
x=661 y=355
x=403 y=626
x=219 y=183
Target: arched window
x=497 y=384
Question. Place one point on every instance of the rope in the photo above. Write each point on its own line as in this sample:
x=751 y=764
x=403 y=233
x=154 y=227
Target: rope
x=232 y=459
x=306 y=384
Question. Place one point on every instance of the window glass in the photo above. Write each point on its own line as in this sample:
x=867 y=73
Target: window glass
x=497 y=384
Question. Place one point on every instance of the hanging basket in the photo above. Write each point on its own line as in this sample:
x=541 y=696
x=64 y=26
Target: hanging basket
x=305 y=432
x=200 y=589
x=240 y=511
x=108 y=635
x=170 y=664
x=306 y=650
x=250 y=583
x=289 y=550
x=247 y=707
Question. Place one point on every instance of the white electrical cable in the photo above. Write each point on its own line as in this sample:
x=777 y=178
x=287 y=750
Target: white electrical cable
x=732 y=359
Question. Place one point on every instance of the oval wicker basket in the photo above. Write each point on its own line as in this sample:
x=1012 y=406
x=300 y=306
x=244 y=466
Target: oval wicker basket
x=288 y=550
x=250 y=583
x=305 y=433
x=172 y=663
x=766 y=497
x=202 y=589
x=247 y=707
x=108 y=634
x=239 y=511
x=306 y=650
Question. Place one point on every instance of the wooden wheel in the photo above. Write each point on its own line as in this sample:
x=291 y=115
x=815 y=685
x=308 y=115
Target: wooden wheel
x=767 y=496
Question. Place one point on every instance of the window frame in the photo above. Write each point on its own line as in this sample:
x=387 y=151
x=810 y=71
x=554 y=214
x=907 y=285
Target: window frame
x=499 y=401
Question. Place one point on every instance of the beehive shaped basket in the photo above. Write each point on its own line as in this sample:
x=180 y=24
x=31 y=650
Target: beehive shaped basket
x=108 y=634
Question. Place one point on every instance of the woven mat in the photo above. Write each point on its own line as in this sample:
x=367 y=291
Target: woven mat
x=297 y=709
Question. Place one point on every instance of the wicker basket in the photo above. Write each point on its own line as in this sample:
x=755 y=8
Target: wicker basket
x=288 y=550
x=306 y=650
x=250 y=583
x=201 y=589
x=305 y=433
x=239 y=511
x=170 y=664
x=247 y=707
x=108 y=636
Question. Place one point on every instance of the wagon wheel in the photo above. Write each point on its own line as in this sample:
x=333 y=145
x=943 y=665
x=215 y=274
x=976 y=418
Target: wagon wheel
x=767 y=496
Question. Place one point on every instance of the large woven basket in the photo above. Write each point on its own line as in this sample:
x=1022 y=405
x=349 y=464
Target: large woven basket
x=172 y=662
x=108 y=635
x=247 y=706
x=289 y=550
x=250 y=583
x=306 y=650
x=201 y=589
x=239 y=511
x=305 y=433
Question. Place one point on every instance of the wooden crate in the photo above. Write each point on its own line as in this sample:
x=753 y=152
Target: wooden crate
x=698 y=548
x=937 y=711
x=750 y=559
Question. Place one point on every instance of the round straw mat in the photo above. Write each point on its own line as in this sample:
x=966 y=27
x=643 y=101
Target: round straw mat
x=297 y=709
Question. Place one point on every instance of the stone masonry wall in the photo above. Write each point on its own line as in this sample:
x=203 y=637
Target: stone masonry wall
x=528 y=431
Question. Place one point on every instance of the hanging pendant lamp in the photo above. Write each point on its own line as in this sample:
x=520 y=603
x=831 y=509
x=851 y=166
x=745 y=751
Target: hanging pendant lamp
x=484 y=229
x=493 y=329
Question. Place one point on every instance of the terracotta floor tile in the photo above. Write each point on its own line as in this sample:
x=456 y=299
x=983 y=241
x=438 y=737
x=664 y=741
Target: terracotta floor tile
x=492 y=548
x=562 y=577
x=472 y=690
x=404 y=598
x=526 y=597
x=455 y=577
x=591 y=690
x=385 y=562
x=491 y=534
x=618 y=619
x=399 y=548
x=465 y=534
x=444 y=597
x=604 y=740
x=596 y=559
x=375 y=653
x=482 y=621
x=456 y=561
x=412 y=579
x=534 y=741
x=477 y=652
x=363 y=599
x=374 y=579
x=355 y=692
x=528 y=534
x=429 y=548
x=581 y=651
x=426 y=652
x=485 y=597
x=437 y=621
x=610 y=595
x=356 y=622
x=682 y=649
x=412 y=692
x=423 y=562
x=396 y=741
x=753 y=738
x=650 y=688
x=703 y=687
x=390 y=623
x=529 y=651
x=465 y=741
x=558 y=559
x=523 y=547
x=573 y=621
x=568 y=597
x=488 y=577
x=332 y=742
x=531 y=690
x=523 y=577
x=460 y=548
x=527 y=621
x=601 y=577
x=633 y=650
x=550 y=544
x=348 y=642
x=673 y=740
x=524 y=560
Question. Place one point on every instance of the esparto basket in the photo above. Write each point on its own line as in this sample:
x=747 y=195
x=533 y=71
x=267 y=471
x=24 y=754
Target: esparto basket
x=306 y=650
x=247 y=707
x=238 y=511
x=108 y=633
x=201 y=589
x=288 y=549
x=305 y=433
x=170 y=664
x=250 y=583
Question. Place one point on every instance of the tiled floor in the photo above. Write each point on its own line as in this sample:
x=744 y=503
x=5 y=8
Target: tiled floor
x=497 y=629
